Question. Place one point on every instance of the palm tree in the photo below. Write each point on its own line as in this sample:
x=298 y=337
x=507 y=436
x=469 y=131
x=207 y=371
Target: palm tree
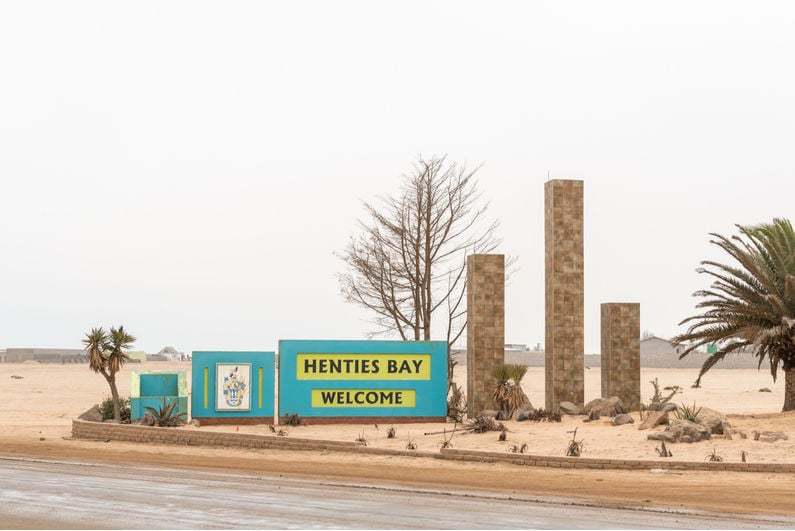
x=106 y=356
x=750 y=304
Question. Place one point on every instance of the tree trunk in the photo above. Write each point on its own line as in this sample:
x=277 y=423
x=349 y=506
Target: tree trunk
x=114 y=393
x=789 y=390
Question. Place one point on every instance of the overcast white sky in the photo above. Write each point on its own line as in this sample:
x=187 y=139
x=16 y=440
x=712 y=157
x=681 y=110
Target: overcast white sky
x=188 y=169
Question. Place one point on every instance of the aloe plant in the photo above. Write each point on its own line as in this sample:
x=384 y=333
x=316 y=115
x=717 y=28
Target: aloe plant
x=165 y=417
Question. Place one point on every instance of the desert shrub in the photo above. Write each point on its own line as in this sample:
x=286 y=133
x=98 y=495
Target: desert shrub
x=574 y=448
x=484 y=424
x=690 y=413
x=714 y=456
x=106 y=408
x=456 y=403
x=542 y=414
x=658 y=397
x=291 y=420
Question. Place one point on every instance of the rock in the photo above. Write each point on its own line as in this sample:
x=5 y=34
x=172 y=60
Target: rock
x=92 y=415
x=662 y=406
x=569 y=408
x=623 y=418
x=608 y=407
x=770 y=436
x=730 y=433
x=489 y=413
x=146 y=420
x=666 y=436
x=696 y=432
x=524 y=413
x=685 y=439
x=714 y=412
x=711 y=422
x=654 y=418
x=195 y=422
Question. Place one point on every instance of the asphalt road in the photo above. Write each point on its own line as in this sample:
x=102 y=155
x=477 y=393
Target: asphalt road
x=44 y=494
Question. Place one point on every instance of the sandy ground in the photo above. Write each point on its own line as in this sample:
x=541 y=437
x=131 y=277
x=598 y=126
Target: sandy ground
x=39 y=401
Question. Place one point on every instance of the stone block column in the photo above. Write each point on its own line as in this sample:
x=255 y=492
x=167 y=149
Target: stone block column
x=621 y=352
x=564 y=300
x=485 y=327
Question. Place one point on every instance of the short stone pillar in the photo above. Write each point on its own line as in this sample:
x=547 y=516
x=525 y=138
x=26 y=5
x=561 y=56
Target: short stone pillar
x=621 y=352
x=564 y=281
x=485 y=327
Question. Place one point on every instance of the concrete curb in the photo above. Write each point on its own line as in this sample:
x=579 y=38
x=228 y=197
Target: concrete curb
x=145 y=434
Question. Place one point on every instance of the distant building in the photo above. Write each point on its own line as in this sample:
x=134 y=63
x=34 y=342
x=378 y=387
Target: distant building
x=43 y=355
x=169 y=354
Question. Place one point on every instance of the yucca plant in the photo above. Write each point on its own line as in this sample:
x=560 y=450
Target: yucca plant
x=165 y=417
x=106 y=356
x=507 y=393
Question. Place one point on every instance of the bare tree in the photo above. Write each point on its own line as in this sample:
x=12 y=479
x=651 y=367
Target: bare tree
x=408 y=264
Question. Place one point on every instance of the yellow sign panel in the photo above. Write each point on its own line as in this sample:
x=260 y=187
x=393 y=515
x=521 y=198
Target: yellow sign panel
x=363 y=367
x=364 y=398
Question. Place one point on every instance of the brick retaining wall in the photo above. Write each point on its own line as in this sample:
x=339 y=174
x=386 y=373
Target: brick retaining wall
x=145 y=434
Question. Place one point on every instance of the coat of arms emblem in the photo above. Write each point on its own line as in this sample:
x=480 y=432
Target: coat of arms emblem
x=234 y=388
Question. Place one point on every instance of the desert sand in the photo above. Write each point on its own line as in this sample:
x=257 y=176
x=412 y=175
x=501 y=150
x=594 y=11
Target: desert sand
x=39 y=402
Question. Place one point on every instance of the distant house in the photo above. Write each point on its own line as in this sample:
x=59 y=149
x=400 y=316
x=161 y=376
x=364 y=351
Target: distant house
x=171 y=354
x=657 y=346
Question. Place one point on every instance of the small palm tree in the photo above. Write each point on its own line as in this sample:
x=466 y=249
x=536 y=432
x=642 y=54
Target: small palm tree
x=750 y=304
x=106 y=356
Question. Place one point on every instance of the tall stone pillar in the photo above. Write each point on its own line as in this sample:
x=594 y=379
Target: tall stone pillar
x=564 y=280
x=485 y=327
x=621 y=352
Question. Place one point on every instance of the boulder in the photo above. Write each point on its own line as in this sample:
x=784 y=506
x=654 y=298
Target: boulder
x=606 y=407
x=662 y=406
x=623 y=418
x=770 y=436
x=523 y=413
x=654 y=418
x=570 y=408
x=696 y=432
x=92 y=415
x=666 y=436
x=146 y=420
x=716 y=425
x=730 y=433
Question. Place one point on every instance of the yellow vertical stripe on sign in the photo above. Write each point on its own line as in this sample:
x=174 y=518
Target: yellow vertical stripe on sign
x=206 y=387
x=259 y=394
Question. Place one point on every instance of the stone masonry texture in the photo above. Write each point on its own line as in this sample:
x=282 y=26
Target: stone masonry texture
x=621 y=352
x=564 y=293
x=485 y=327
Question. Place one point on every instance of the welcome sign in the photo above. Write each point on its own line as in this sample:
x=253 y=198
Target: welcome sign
x=373 y=379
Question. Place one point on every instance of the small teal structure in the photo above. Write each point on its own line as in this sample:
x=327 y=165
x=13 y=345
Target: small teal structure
x=150 y=388
x=233 y=387
x=361 y=381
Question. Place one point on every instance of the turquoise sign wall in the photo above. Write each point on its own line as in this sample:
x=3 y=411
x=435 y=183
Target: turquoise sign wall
x=233 y=386
x=363 y=378
x=151 y=388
